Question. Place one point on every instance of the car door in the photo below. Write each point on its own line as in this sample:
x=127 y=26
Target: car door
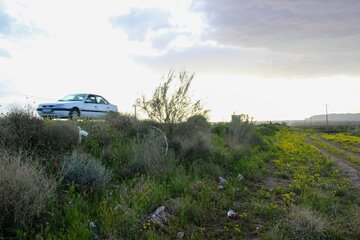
x=90 y=106
x=103 y=105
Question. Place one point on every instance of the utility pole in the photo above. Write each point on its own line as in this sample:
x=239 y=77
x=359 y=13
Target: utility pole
x=327 y=118
x=135 y=110
x=136 y=122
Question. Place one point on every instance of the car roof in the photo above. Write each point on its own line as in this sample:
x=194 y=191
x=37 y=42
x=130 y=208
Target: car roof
x=88 y=94
x=85 y=94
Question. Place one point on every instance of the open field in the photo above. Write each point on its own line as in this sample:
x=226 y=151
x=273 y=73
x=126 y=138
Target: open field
x=280 y=182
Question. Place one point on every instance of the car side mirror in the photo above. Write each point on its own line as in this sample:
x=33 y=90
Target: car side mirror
x=88 y=101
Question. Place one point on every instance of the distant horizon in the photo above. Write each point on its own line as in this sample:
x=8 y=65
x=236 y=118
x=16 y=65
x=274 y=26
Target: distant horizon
x=24 y=104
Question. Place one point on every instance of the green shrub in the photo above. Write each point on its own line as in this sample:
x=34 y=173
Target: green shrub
x=149 y=156
x=85 y=172
x=24 y=189
x=219 y=129
x=192 y=139
x=252 y=167
x=125 y=125
x=268 y=129
x=171 y=104
x=355 y=131
x=102 y=133
x=206 y=169
x=112 y=155
x=242 y=135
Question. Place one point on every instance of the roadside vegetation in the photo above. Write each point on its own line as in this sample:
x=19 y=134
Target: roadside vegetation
x=344 y=141
x=169 y=179
x=319 y=199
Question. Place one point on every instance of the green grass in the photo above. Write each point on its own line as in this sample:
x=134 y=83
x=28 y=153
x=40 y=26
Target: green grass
x=317 y=198
x=355 y=161
x=306 y=187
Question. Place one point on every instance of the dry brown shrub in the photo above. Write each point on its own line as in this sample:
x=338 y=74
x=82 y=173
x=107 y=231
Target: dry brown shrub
x=21 y=128
x=24 y=189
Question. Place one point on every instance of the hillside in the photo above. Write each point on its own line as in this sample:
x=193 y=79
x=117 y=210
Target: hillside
x=336 y=117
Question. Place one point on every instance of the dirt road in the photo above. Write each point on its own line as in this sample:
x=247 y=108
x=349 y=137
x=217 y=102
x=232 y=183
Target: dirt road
x=348 y=171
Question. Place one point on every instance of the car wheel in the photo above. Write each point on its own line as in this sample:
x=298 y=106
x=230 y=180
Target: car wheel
x=74 y=114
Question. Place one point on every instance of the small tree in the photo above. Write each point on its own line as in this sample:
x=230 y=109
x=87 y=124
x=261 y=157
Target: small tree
x=171 y=107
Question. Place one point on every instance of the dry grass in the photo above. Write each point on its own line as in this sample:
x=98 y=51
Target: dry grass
x=24 y=189
x=60 y=136
x=301 y=223
x=21 y=128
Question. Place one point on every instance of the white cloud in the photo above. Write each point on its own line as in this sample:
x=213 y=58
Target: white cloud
x=163 y=28
x=140 y=21
x=272 y=39
x=316 y=33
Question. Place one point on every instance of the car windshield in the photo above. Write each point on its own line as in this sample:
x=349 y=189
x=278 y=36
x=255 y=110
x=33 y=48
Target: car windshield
x=73 y=97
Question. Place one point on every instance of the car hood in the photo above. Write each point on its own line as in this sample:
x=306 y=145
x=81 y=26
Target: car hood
x=58 y=103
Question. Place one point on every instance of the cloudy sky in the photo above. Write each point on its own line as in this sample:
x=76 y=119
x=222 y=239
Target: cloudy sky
x=273 y=59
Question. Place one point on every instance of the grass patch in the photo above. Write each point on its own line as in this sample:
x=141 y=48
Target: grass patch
x=271 y=174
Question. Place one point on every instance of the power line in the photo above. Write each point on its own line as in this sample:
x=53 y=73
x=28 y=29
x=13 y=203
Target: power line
x=26 y=95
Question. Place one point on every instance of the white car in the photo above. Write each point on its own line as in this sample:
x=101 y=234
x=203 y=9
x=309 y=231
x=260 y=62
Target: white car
x=74 y=106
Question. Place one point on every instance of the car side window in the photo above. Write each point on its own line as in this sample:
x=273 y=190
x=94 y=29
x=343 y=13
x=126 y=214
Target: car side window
x=101 y=100
x=92 y=98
